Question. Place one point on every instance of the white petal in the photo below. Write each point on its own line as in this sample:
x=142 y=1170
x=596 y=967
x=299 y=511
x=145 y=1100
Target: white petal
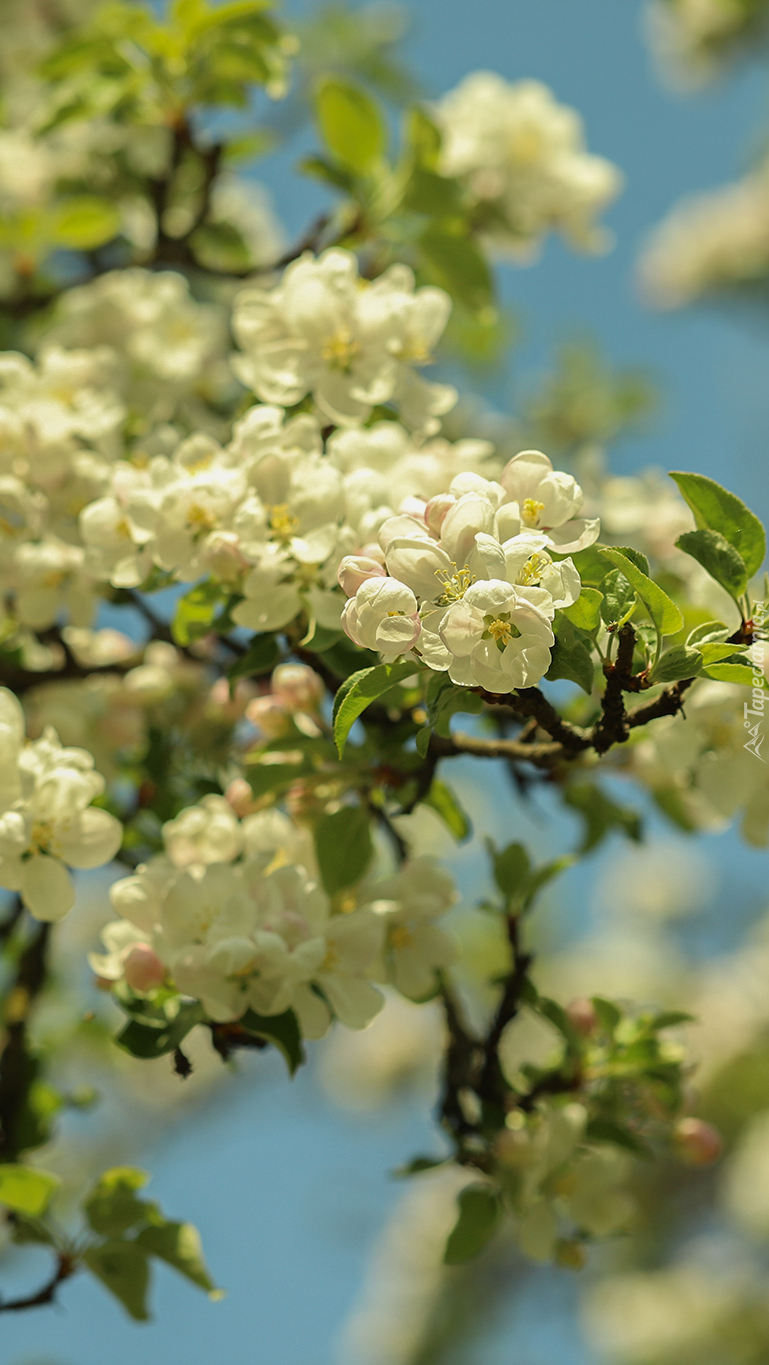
x=92 y=840
x=47 y=889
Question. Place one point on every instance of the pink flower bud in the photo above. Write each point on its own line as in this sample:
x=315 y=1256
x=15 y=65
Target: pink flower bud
x=698 y=1142
x=436 y=510
x=269 y=715
x=240 y=797
x=581 y=1016
x=413 y=507
x=297 y=687
x=356 y=569
x=143 y=969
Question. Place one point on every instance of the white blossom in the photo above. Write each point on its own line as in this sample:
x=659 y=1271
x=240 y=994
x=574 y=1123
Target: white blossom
x=47 y=822
x=349 y=343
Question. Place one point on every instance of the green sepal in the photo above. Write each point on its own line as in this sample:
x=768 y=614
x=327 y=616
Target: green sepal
x=480 y=1210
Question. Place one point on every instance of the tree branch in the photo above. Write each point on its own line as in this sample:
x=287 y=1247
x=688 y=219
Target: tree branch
x=66 y=1267
x=18 y=1066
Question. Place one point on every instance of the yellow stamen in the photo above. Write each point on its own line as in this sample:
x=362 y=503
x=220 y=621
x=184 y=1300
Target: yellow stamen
x=340 y=350
x=454 y=582
x=400 y=936
x=200 y=519
x=501 y=631
x=282 y=522
x=533 y=568
x=531 y=511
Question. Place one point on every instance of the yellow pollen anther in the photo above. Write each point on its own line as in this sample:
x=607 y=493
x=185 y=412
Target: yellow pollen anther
x=200 y=519
x=501 y=631
x=454 y=582
x=531 y=511
x=533 y=568
x=282 y=522
x=340 y=350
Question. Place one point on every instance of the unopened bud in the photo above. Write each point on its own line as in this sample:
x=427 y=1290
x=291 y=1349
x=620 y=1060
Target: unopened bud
x=269 y=716
x=357 y=569
x=240 y=797
x=298 y=687
x=582 y=1016
x=698 y=1142
x=143 y=969
x=436 y=511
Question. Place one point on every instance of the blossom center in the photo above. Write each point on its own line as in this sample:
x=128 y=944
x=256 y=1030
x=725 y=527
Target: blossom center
x=340 y=350
x=400 y=936
x=531 y=511
x=501 y=630
x=282 y=522
x=533 y=569
x=454 y=582
x=200 y=519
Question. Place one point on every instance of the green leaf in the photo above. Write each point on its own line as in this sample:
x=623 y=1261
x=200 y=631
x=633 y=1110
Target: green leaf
x=195 y=612
x=179 y=1245
x=708 y=632
x=320 y=169
x=713 y=653
x=540 y=876
x=635 y=557
x=25 y=1233
x=86 y=222
x=671 y=1018
x=742 y=674
x=359 y=690
x=682 y=661
x=619 y=598
x=433 y=194
x=261 y=657
x=607 y=1014
x=459 y=266
x=718 y=557
x=588 y=563
x=343 y=847
x=122 y=1268
x=603 y=1129
x=442 y=800
x=351 y=125
x=571 y=658
x=663 y=612
x=480 y=1210
x=585 y=613
x=715 y=509
x=25 y=1189
x=148 y=1041
x=511 y=869
x=423 y=138
x=112 y=1207
x=282 y=1030
x=600 y=814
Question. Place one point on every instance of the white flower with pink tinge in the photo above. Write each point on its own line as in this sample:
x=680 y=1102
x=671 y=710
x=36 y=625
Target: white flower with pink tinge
x=540 y=498
x=383 y=615
x=496 y=639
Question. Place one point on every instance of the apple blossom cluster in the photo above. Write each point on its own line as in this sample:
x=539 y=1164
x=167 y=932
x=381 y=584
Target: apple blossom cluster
x=270 y=514
x=522 y=157
x=233 y=914
x=47 y=821
x=470 y=585
x=710 y=244
x=350 y=343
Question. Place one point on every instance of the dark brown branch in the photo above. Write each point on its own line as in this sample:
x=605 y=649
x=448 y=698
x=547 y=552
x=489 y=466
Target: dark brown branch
x=612 y=727
x=18 y=1066
x=66 y=1267
x=542 y=755
x=492 y=1084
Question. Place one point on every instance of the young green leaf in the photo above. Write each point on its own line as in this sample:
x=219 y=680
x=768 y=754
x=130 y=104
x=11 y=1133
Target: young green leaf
x=195 y=612
x=715 y=509
x=571 y=657
x=619 y=599
x=261 y=657
x=742 y=674
x=480 y=1210
x=423 y=138
x=585 y=613
x=179 y=1245
x=459 y=266
x=511 y=869
x=343 y=847
x=607 y=1014
x=718 y=557
x=122 y=1268
x=85 y=222
x=359 y=690
x=707 y=633
x=352 y=127
x=600 y=814
x=25 y=1189
x=282 y=1030
x=112 y=1206
x=682 y=661
x=663 y=612
x=443 y=801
